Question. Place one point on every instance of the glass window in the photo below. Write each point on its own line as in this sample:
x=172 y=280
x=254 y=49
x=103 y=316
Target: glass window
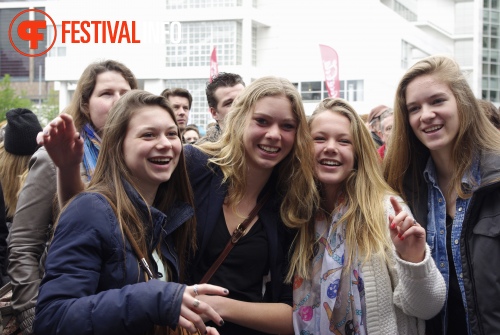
x=493 y=96
x=198 y=39
x=486 y=69
x=494 y=70
x=184 y=4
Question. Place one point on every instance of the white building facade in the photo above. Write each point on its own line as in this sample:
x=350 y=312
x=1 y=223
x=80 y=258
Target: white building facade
x=376 y=41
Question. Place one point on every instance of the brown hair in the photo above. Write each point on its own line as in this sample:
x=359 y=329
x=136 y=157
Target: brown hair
x=78 y=107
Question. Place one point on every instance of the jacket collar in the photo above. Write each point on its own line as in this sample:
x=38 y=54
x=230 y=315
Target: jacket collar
x=167 y=222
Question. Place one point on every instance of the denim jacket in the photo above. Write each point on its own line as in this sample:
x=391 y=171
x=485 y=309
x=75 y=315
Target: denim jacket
x=436 y=225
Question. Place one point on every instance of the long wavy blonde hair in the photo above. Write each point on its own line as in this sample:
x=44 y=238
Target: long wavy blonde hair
x=13 y=173
x=405 y=162
x=364 y=188
x=295 y=173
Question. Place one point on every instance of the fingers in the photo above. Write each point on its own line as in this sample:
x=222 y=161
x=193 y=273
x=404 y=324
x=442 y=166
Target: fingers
x=192 y=308
x=212 y=331
x=395 y=204
x=201 y=289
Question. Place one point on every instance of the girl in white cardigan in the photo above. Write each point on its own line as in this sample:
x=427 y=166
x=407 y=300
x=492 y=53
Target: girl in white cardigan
x=362 y=265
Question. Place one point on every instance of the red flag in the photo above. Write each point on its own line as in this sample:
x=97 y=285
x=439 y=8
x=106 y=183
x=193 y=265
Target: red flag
x=330 y=61
x=214 y=68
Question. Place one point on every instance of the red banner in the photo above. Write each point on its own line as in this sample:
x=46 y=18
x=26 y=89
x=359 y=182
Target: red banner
x=330 y=61
x=214 y=68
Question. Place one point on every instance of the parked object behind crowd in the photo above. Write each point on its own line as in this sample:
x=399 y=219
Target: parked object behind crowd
x=447 y=166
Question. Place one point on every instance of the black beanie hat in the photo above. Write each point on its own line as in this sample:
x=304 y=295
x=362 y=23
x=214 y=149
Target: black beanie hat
x=20 y=132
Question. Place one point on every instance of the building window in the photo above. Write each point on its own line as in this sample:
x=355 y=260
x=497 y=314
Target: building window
x=350 y=90
x=59 y=49
x=184 y=4
x=198 y=39
x=13 y=63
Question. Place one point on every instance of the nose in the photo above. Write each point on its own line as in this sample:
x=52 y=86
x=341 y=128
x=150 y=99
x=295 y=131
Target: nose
x=330 y=146
x=116 y=96
x=273 y=132
x=427 y=113
x=163 y=142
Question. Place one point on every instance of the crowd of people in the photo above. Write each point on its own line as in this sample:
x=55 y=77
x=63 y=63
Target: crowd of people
x=122 y=219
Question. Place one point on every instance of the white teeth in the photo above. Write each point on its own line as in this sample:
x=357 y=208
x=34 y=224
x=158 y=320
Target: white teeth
x=329 y=162
x=428 y=130
x=160 y=161
x=269 y=149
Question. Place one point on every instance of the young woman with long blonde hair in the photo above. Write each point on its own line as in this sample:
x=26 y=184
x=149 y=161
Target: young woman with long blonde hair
x=446 y=166
x=361 y=266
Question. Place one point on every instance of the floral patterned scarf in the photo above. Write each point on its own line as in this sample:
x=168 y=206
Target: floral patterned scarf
x=333 y=300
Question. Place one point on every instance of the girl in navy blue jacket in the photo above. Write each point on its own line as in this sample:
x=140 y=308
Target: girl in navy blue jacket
x=118 y=246
x=266 y=149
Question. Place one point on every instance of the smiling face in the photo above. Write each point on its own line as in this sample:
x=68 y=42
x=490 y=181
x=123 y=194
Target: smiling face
x=270 y=133
x=109 y=87
x=333 y=148
x=433 y=114
x=151 y=148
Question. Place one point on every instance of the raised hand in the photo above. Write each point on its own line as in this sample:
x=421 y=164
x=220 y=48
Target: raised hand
x=406 y=234
x=192 y=309
x=62 y=141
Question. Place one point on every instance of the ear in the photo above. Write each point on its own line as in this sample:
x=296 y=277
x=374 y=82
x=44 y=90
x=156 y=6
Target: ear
x=213 y=111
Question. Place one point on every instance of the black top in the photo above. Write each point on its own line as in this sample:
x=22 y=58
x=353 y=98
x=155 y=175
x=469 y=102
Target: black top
x=243 y=269
x=457 y=324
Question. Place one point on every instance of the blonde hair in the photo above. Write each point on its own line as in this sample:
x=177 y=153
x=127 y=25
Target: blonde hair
x=13 y=172
x=364 y=188
x=406 y=161
x=295 y=173
x=111 y=170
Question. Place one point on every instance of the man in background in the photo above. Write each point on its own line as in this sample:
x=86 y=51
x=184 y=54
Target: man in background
x=221 y=93
x=180 y=100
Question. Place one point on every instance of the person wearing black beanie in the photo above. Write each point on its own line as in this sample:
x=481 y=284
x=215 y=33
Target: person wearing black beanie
x=20 y=132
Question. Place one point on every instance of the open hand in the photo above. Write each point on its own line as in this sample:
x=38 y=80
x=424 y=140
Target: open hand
x=62 y=141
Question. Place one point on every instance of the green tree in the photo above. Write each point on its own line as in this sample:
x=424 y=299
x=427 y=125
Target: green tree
x=49 y=108
x=9 y=98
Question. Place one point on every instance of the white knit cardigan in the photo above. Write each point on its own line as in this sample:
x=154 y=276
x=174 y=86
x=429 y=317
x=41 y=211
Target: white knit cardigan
x=400 y=297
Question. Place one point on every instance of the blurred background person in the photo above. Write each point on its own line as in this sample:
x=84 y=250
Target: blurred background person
x=374 y=124
x=181 y=100
x=221 y=93
x=491 y=112
x=386 y=122
x=15 y=153
x=191 y=134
